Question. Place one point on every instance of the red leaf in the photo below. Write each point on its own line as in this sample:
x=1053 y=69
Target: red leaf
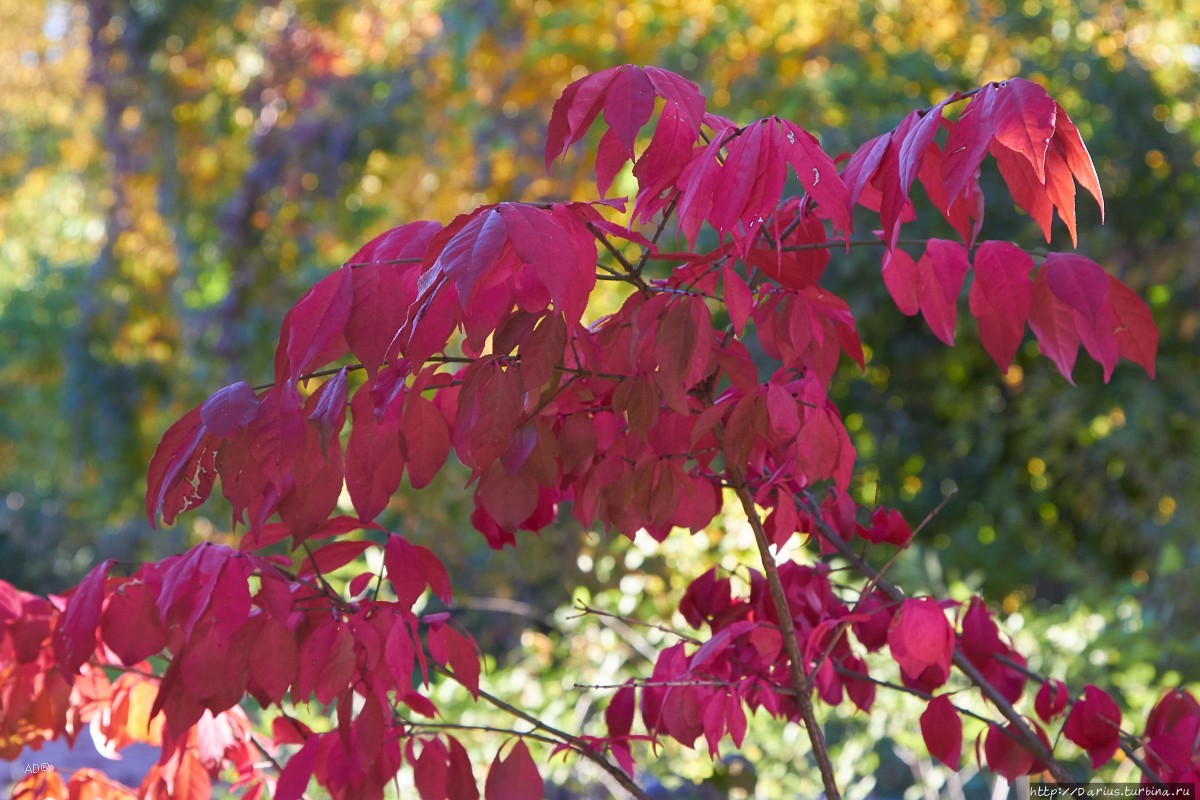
x=968 y=141
x=383 y=292
x=740 y=193
x=317 y=481
x=1006 y=756
x=450 y=648
x=312 y=330
x=327 y=662
x=560 y=250
x=374 y=458
x=1078 y=282
x=461 y=783
x=1066 y=136
x=575 y=110
x=425 y=439
x=942 y=270
x=293 y=779
x=1137 y=335
x=662 y=161
x=181 y=472
x=508 y=499
x=903 y=281
x=410 y=568
x=916 y=142
x=888 y=525
x=1024 y=117
x=714 y=722
x=542 y=353
x=130 y=625
x=941 y=727
x=922 y=641
x=1095 y=725
x=1053 y=323
x=618 y=716
x=271 y=677
x=229 y=410
x=626 y=94
x=628 y=105
x=430 y=771
x=1051 y=700
x=735 y=719
x=329 y=408
x=782 y=411
x=874 y=631
x=75 y=635
x=489 y=409
x=751 y=179
x=817 y=173
x=966 y=211
x=738 y=298
x=610 y=158
x=515 y=777
x=1001 y=298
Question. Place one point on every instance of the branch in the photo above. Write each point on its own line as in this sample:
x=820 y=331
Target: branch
x=355 y=367
x=357 y=264
x=1126 y=738
x=1029 y=740
x=799 y=680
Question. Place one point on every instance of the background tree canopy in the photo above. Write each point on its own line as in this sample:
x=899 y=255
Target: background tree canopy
x=174 y=174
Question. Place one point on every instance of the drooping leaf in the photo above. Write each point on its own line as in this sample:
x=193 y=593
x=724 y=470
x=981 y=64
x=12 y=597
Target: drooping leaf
x=382 y=290
x=1137 y=335
x=374 y=458
x=181 y=472
x=1095 y=725
x=410 y=568
x=626 y=95
x=75 y=635
x=941 y=728
x=230 y=409
x=514 y=777
x=1051 y=700
x=922 y=642
x=452 y=649
x=293 y=779
x=1001 y=298
x=1007 y=756
x=1053 y=323
x=312 y=331
x=426 y=440
x=430 y=770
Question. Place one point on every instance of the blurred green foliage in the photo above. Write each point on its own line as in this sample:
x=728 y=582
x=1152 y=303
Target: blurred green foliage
x=174 y=174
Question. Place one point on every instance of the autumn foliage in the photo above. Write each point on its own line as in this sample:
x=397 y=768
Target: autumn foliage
x=473 y=342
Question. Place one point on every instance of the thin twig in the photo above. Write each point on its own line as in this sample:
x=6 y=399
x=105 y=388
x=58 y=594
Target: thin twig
x=937 y=510
x=579 y=745
x=454 y=726
x=611 y=248
x=662 y=224
x=585 y=609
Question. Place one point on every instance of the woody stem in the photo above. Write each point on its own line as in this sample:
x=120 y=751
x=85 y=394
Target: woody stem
x=816 y=735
